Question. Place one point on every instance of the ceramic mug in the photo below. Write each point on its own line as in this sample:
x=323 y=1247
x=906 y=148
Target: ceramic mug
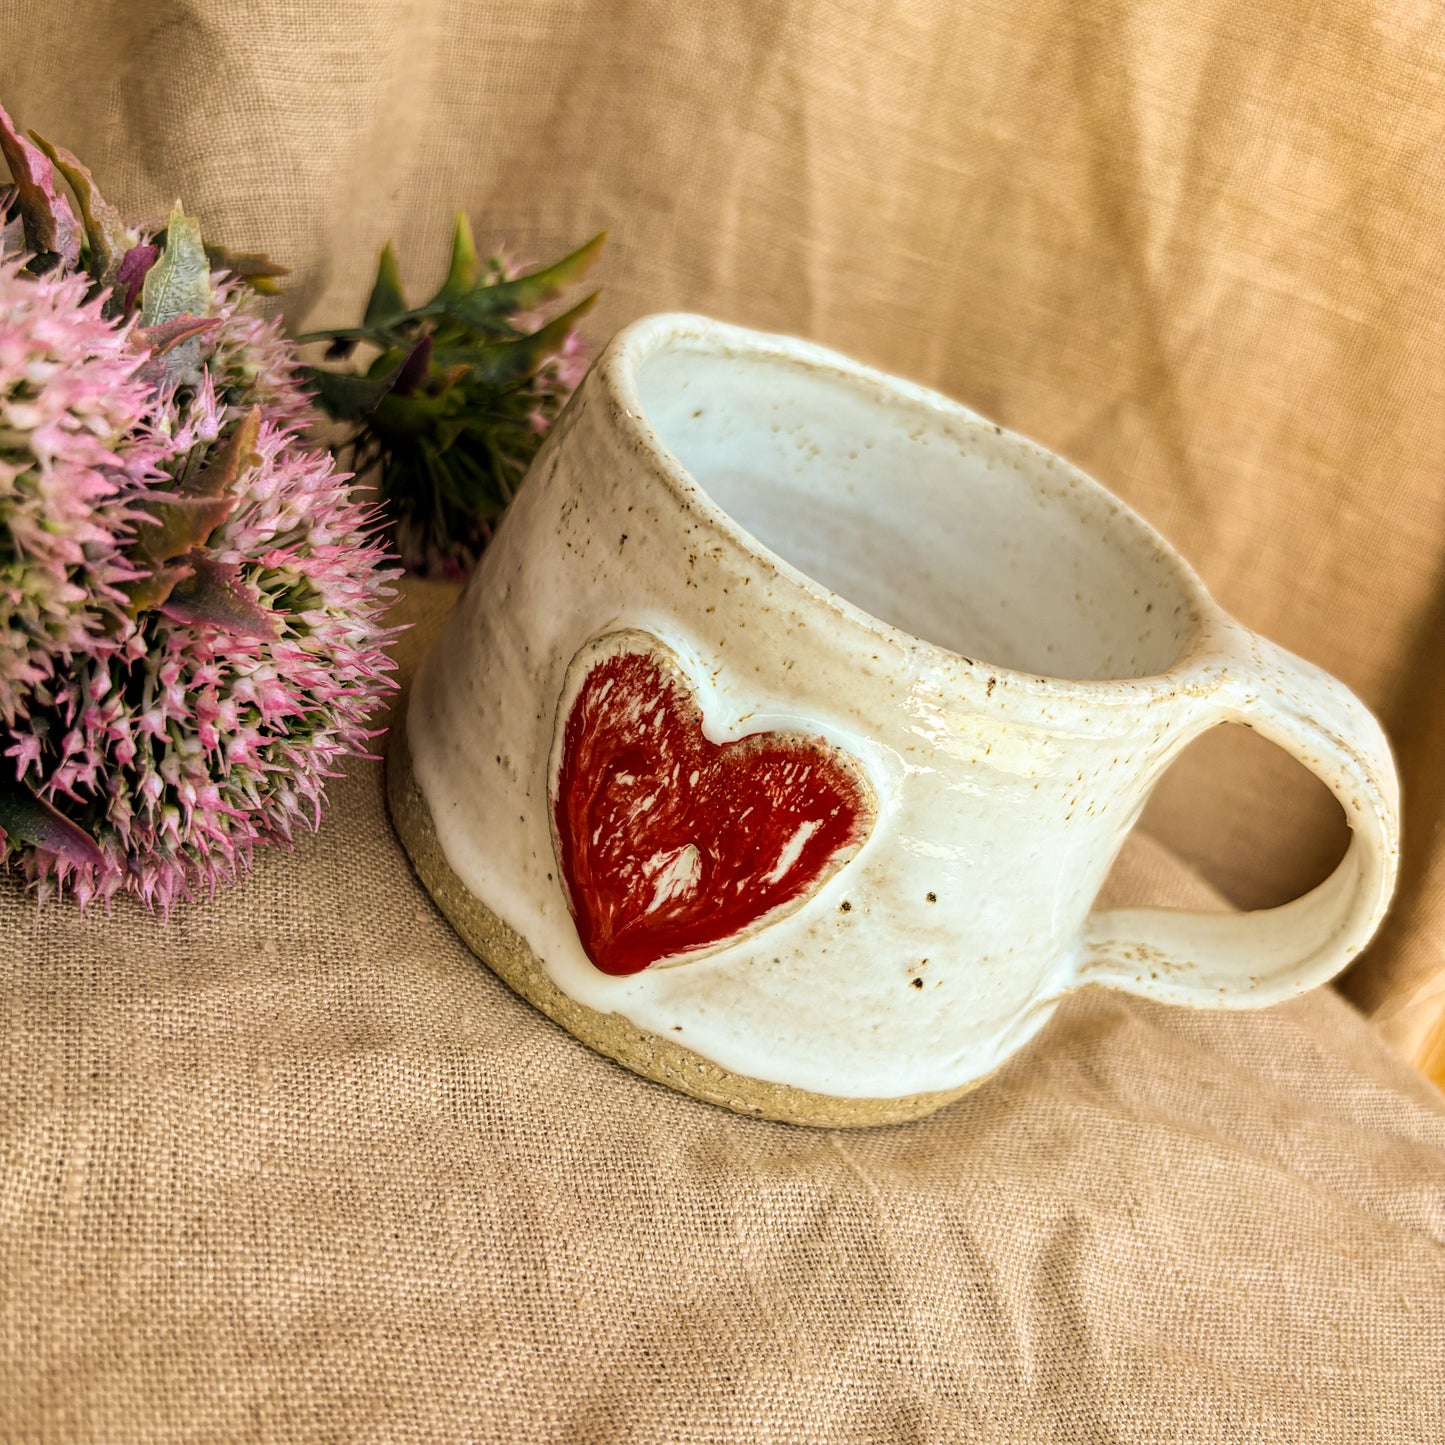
x=783 y=739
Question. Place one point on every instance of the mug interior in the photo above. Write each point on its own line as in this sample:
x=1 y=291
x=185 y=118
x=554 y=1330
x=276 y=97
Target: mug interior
x=923 y=515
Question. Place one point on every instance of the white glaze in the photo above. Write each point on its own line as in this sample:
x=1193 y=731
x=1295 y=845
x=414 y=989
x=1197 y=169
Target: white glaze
x=1004 y=789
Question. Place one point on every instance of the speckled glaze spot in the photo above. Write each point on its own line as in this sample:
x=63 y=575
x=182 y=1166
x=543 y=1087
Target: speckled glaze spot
x=898 y=593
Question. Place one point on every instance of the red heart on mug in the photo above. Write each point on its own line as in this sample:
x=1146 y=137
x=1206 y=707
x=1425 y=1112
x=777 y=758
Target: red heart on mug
x=670 y=844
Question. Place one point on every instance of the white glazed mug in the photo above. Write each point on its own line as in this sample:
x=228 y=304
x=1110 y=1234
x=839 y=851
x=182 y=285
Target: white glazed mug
x=742 y=561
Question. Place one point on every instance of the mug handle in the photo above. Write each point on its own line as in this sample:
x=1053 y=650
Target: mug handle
x=1250 y=960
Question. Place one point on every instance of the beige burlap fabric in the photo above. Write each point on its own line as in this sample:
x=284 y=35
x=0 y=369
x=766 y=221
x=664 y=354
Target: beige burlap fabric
x=299 y=1168
x=295 y=1167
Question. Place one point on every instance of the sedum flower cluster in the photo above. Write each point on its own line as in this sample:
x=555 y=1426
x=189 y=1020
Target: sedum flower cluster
x=191 y=600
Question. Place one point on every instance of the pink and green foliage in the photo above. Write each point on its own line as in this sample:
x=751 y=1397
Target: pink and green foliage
x=191 y=601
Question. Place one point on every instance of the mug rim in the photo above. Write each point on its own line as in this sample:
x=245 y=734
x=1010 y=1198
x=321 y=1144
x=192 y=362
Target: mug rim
x=617 y=370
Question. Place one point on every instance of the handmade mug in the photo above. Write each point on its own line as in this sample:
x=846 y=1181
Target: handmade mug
x=783 y=739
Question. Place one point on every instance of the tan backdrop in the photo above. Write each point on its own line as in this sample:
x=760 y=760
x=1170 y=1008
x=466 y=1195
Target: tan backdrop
x=296 y=1168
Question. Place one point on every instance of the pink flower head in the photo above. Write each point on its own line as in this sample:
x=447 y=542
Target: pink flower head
x=191 y=634
x=72 y=462
x=184 y=755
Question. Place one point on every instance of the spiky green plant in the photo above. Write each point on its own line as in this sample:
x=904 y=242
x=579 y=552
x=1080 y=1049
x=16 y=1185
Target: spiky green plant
x=461 y=390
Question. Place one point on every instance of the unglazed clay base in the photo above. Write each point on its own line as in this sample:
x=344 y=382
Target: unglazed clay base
x=506 y=953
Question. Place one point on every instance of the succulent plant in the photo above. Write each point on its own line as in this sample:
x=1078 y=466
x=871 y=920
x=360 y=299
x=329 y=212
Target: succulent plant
x=458 y=396
x=216 y=643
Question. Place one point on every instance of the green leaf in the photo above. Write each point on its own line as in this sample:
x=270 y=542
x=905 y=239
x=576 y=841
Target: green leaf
x=153 y=589
x=485 y=305
x=226 y=462
x=28 y=819
x=179 y=284
x=215 y=595
x=462 y=272
x=105 y=233
x=398 y=418
x=386 y=303
x=344 y=396
x=504 y=363
x=175 y=351
x=173 y=525
x=257 y=270
x=413 y=373
x=343 y=340
x=170 y=334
